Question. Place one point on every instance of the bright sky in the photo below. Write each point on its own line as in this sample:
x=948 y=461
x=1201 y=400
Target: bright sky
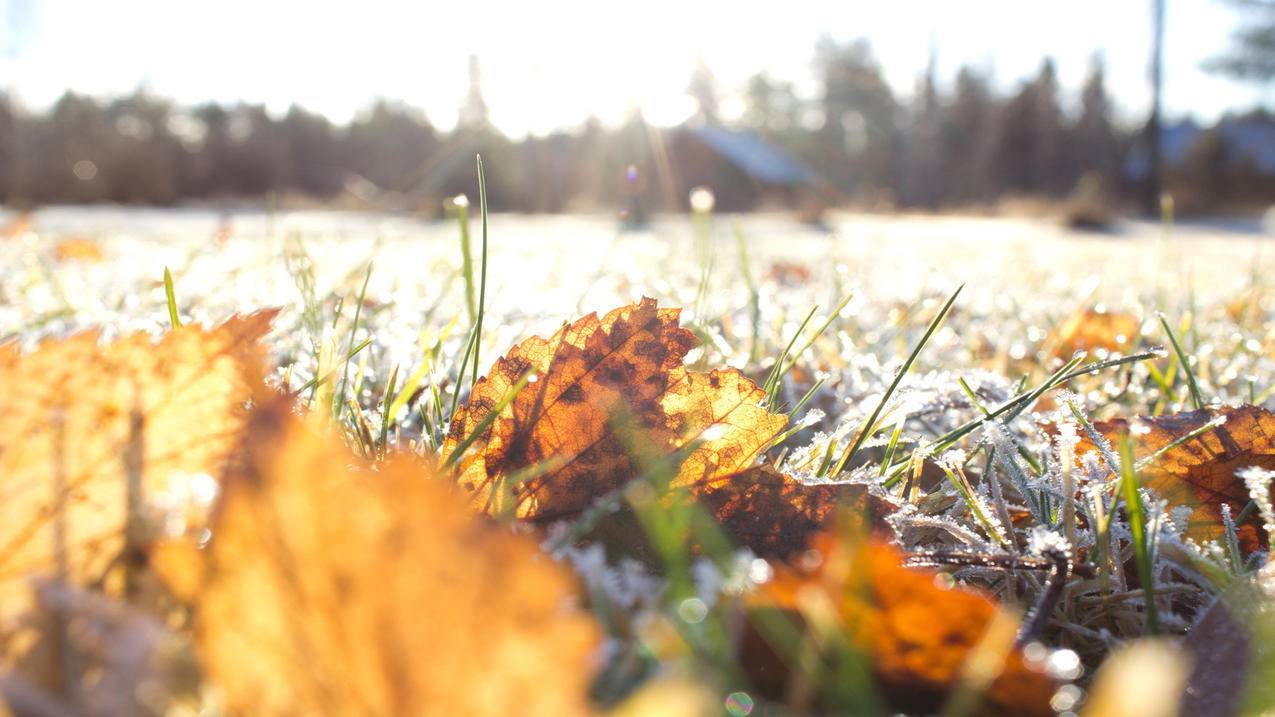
x=552 y=63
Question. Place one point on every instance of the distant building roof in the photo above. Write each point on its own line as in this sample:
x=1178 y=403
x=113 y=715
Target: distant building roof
x=1175 y=140
x=1252 y=139
x=1249 y=139
x=762 y=160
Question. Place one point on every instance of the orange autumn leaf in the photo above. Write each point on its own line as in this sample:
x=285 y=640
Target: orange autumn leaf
x=91 y=433
x=776 y=515
x=604 y=387
x=78 y=249
x=1200 y=473
x=17 y=226
x=1090 y=328
x=337 y=589
x=921 y=640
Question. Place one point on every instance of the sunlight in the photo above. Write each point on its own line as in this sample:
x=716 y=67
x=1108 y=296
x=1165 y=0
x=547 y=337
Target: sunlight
x=584 y=59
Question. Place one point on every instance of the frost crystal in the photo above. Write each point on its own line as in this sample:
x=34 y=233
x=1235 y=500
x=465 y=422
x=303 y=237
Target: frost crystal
x=1043 y=541
x=1258 y=482
x=627 y=585
x=954 y=458
x=743 y=575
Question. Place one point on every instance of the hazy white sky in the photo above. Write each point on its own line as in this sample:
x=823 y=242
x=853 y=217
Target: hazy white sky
x=551 y=63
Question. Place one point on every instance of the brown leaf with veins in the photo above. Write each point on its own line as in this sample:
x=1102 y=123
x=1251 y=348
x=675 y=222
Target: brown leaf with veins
x=334 y=588
x=87 y=428
x=777 y=515
x=920 y=639
x=605 y=387
x=1200 y=473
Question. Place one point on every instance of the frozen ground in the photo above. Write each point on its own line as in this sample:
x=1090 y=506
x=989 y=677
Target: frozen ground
x=1023 y=276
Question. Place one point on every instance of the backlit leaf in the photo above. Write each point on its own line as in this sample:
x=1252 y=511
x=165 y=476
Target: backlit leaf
x=78 y=249
x=1091 y=328
x=604 y=387
x=776 y=515
x=92 y=434
x=1200 y=472
x=338 y=589
x=921 y=640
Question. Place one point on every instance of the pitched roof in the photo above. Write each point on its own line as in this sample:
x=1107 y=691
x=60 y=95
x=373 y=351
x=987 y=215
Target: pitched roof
x=762 y=160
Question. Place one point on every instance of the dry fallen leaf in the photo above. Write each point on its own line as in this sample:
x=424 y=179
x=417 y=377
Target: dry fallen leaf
x=17 y=226
x=337 y=589
x=604 y=388
x=78 y=249
x=776 y=515
x=92 y=434
x=1200 y=472
x=923 y=641
x=1095 y=328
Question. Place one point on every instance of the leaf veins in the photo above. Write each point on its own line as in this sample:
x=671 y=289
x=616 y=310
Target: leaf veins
x=1200 y=471
x=778 y=516
x=605 y=387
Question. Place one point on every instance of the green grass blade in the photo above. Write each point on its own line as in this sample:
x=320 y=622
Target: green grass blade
x=1138 y=526
x=810 y=393
x=320 y=379
x=1208 y=426
x=354 y=329
x=795 y=355
x=776 y=371
x=891 y=448
x=1186 y=366
x=1017 y=404
x=869 y=424
x=466 y=258
x=460 y=372
x=973 y=397
x=385 y=408
x=482 y=285
x=171 y=296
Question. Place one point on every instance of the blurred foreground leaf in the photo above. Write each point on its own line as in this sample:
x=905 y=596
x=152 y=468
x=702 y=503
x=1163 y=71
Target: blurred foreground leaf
x=336 y=588
x=104 y=447
x=925 y=642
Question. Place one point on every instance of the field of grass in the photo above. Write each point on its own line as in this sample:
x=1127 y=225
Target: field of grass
x=959 y=379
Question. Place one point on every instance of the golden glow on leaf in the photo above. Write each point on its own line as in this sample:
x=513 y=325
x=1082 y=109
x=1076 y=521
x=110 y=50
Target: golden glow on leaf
x=78 y=249
x=1089 y=329
x=334 y=588
x=1200 y=473
x=921 y=640
x=605 y=387
x=91 y=434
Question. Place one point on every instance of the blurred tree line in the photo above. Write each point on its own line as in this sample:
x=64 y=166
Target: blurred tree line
x=967 y=145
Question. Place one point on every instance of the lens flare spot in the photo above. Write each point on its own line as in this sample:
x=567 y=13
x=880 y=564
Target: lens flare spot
x=739 y=704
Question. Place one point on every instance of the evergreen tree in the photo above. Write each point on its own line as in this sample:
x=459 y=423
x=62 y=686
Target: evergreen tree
x=858 y=142
x=968 y=139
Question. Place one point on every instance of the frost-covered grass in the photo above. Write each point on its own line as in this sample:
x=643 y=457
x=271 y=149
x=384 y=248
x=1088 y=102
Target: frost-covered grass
x=379 y=310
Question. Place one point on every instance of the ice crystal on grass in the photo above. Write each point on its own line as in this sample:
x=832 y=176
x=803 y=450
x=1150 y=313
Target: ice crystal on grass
x=1043 y=541
x=1258 y=482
